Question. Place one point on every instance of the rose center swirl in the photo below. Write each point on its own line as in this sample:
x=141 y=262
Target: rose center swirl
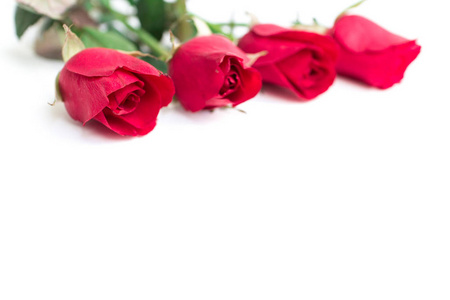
x=128 y=105
x=126 y=100
x=230 y=83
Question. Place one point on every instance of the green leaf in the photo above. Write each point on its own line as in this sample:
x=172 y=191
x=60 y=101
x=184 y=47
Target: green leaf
x=151 y=14
x=104 y=3
x=24 y=19
x=88 y=5
x=157 y=63
x=215 y=28
x=92 y=37
x=170 y=12
x=47 y=23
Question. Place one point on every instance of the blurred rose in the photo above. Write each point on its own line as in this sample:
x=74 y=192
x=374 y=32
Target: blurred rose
x=370 y=53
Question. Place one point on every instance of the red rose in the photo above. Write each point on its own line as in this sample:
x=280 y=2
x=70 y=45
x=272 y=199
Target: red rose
x=301 y=61
x=370 y=53
x=210 y=71
x=120 y=91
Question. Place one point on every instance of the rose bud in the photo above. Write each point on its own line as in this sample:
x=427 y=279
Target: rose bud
x=210 y=71
x=301 y=61
x=120 y=91
x=370 y=53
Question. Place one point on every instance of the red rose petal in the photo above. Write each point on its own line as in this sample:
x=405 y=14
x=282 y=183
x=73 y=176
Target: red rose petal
x=359 y=34
x=370 y=53
x=104 y=62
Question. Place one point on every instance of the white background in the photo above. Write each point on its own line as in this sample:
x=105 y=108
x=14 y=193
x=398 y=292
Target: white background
x=343 y=197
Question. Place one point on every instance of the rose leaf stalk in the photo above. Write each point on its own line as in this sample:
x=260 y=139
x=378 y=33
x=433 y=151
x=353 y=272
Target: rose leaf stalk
x=350 y=8
x=143 y=36
x=218 y=27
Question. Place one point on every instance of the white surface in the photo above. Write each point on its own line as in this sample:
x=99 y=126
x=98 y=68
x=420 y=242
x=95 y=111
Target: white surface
x=344 y=197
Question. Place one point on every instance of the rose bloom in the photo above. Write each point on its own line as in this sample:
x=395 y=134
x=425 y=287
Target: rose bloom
x=301 y=61
x=370 y=53
x=122 y=92
x=210 y=71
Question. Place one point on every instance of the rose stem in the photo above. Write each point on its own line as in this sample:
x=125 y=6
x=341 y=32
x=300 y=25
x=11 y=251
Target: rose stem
x=143 y=35
x=232 y=24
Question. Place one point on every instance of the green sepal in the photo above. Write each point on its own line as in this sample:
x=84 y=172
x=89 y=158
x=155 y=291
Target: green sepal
x=58 y=96
x=350 y=8
x=72 y=44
